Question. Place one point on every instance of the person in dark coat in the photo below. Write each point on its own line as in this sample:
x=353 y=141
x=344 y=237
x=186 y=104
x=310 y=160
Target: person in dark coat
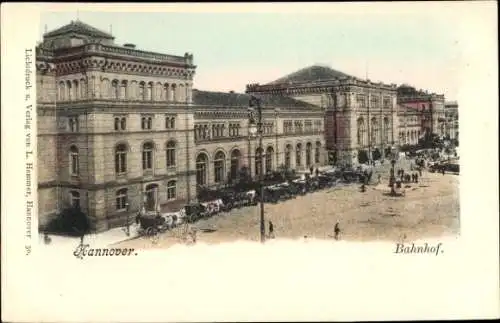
x=416 y=178
x=443 y=170
x=271 y=230
x=337 y=230
x=317 y=172
x=311 y=170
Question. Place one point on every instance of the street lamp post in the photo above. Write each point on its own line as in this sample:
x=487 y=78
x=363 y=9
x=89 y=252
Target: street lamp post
x=128 y=218
x=255 y=129
x=392 y=178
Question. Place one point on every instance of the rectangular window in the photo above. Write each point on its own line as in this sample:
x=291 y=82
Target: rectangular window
x=121 y=200
x=171 y=190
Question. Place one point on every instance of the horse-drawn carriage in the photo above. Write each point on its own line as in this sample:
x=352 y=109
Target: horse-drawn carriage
x=151 y=224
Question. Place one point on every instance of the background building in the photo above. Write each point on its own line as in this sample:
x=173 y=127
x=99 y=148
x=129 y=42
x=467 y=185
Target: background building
x=420 y=109
x=360 y=116
x=451 y=115
x=120 y=129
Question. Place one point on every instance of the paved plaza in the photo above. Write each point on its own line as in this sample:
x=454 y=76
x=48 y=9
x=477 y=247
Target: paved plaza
x=429 y=209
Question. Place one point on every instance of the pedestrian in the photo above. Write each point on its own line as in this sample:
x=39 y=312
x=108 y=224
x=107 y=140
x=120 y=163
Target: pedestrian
x=379 y=178
x=311 y=170
x=416 y=178
x=271 y=230
x=420 y=171
x=337 y=230
x=443 y=170
x=317 y=172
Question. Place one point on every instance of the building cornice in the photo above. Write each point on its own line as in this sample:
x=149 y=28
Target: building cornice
x=334 y=85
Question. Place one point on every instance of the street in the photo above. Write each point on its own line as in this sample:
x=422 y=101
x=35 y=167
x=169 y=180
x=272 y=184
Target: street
x=429 y=209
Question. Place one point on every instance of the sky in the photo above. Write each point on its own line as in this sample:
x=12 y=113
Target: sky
x=231 y=49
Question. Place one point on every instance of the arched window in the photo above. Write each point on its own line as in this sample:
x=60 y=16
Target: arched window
x=171 y=154
x=182 y=94
x=69 y=91
x=173 y=92
x=142 y=91
x=386 y=129
x=105 y=88
x=201 y=169
x=117 y=123
x=123 y=90
x=288 y=157
x=74 y=161
x=166 y=92
x=374 y=132
x=308 y=154
x=317 y=152
x=121 y=199
x=150 y=122
x=219 y=166
x=170 y=122
x=206 y=132
x=361 y=132
x=75 y=199
x=298 y=155
x=76 y=90
x=235 y=163
x=62 y=91
x=83 y=89
x=258 y=161
x=147 y=156
x=171 y=190
x=121 y=159
x=115 y=89
x=149 y=94
x=269 y=159
x=123 y=123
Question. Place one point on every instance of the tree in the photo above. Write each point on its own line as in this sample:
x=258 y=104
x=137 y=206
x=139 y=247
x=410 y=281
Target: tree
x=71 y=221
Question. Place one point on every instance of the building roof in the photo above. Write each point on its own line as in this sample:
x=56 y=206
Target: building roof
x=232 y=99
x=310 y=74
x=79 y=27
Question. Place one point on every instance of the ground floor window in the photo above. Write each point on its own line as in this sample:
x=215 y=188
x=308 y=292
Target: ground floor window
x=171 y=190
x=121 y=199
x=75 y=199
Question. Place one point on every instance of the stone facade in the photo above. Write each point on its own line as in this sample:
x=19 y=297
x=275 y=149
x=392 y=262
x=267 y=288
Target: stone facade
x=120 y=129
x=360 y=116
x=420 y=113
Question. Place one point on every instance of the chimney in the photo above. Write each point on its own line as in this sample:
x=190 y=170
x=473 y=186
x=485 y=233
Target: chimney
x=132 y=46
